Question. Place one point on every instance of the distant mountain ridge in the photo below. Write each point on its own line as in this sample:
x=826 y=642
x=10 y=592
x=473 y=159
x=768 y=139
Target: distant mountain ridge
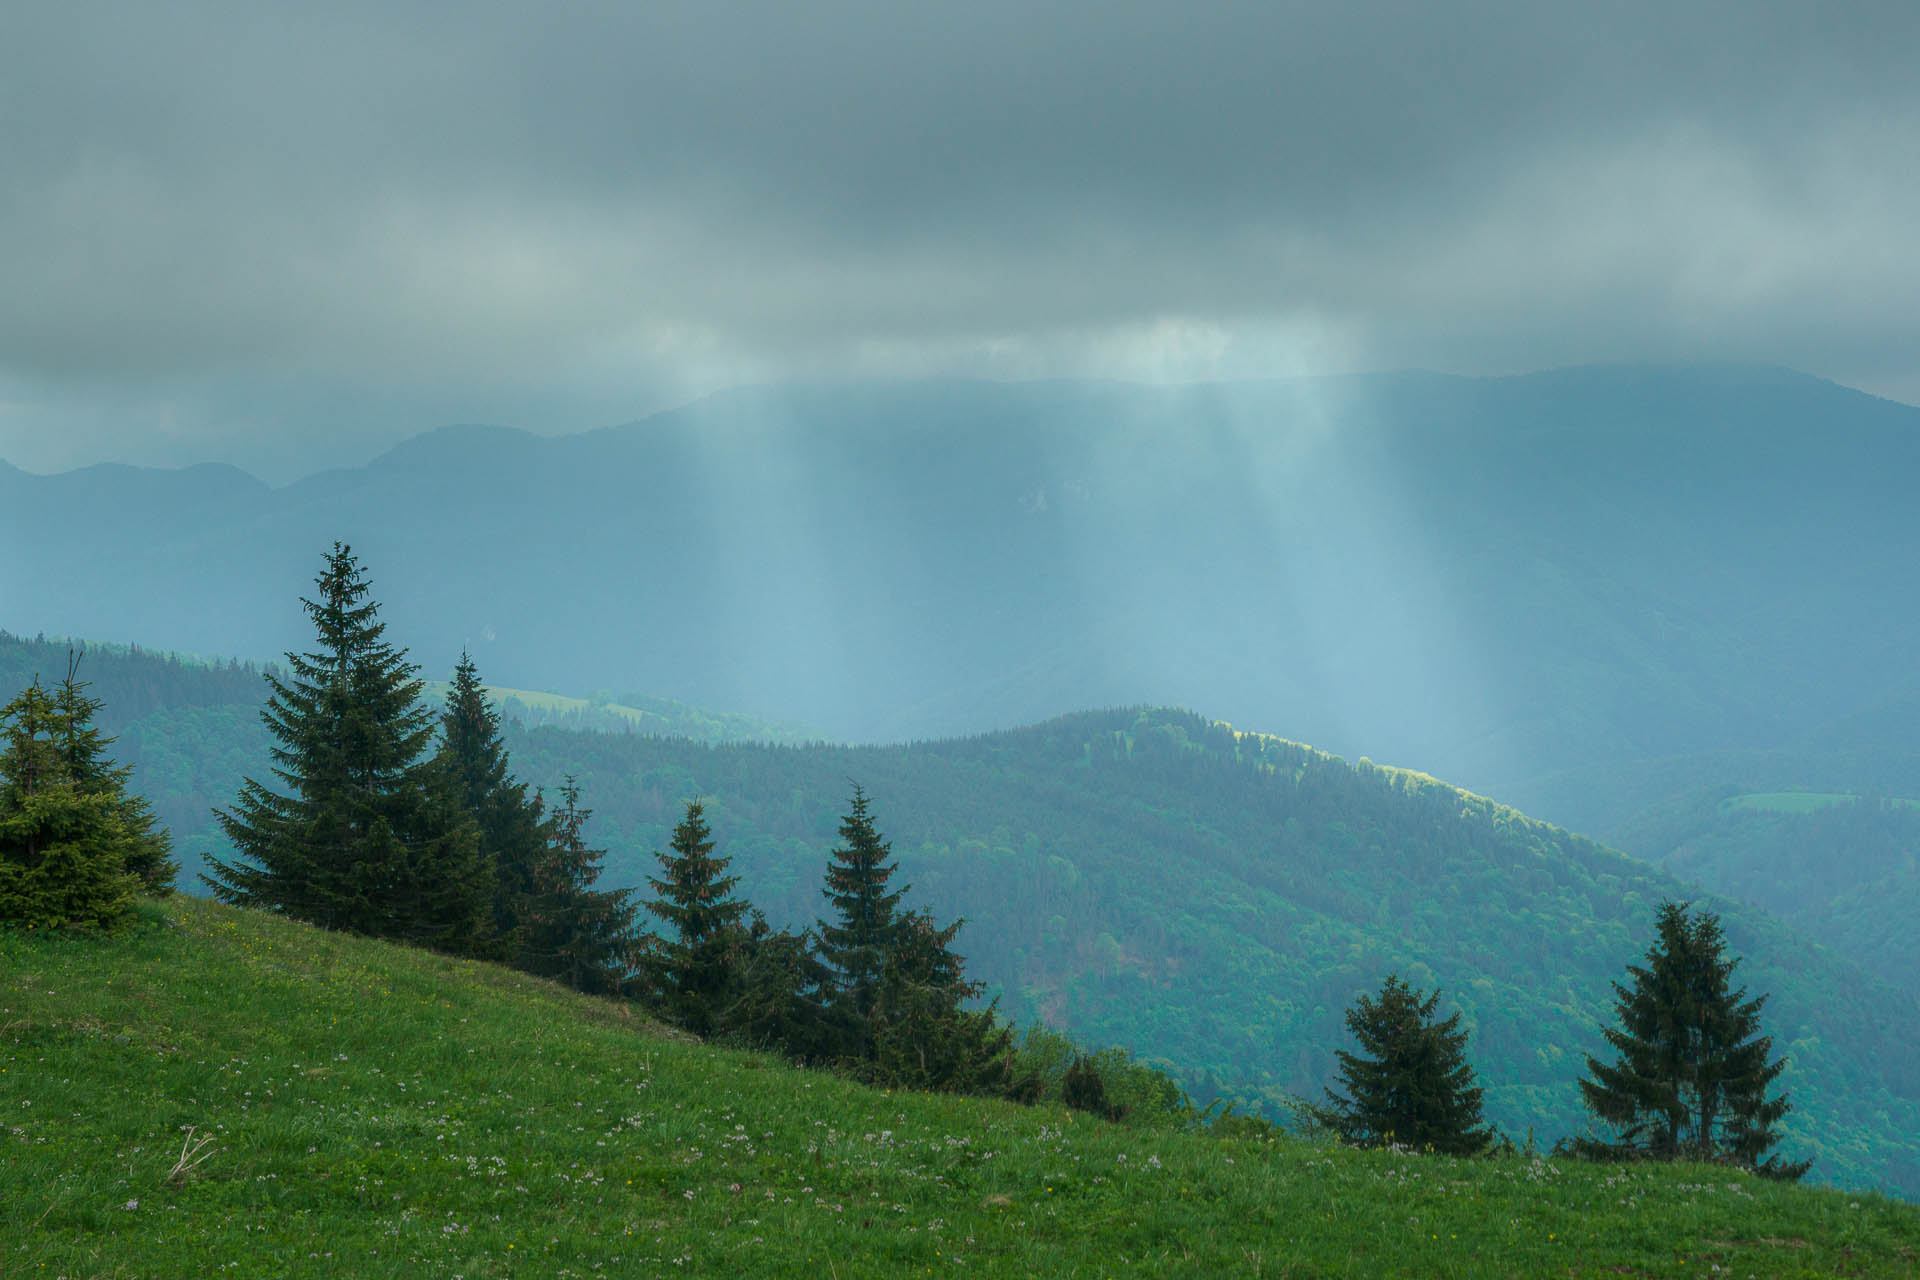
x=1493 y=580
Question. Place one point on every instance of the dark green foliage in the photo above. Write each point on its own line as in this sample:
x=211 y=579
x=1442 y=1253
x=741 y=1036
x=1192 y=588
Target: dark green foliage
x=1141 y=1093
x=512 y=826
x=64 y=846
x=1413 y=1087
x=370 y=836
x=1084 y=1090
x=692 y=968
x=919 y=1035
x=1692 y=1075
x=898 y=985
x=134 y=682
x=576 y=933
x=775 y=996
x=83 y=751
x=864 y=934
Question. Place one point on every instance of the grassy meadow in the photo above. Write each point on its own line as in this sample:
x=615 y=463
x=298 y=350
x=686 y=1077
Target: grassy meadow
x=222 y=1093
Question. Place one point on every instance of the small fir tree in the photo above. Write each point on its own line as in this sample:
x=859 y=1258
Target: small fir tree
x=1414 y=1087
x=920 y=1035
x=776 y=993
x=583 y=936
x=83 y=751
x=513 y=826
x=1691 y=1078
x=64 y=847
x=692 y=970
x=369 y=836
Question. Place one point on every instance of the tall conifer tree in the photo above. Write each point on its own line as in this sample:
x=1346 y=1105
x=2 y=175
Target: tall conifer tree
x=898 y=983
x=513 y=826
x=368 y=836
x=695 y=900
x=1691 y=1078
x=1412 y=1084
x=865 y=933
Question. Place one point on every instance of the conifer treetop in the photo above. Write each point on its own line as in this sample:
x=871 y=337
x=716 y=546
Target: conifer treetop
x=857 y=877
x=695 y=896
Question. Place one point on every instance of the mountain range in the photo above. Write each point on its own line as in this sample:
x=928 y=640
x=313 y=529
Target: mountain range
x=1520 y=584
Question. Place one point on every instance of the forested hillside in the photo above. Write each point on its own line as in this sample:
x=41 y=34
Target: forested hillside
x=1213 y=900
x=1843 y=869
x=1828 y=841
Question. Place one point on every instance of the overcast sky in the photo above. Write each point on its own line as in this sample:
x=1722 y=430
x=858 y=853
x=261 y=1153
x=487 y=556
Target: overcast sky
x=288 y=236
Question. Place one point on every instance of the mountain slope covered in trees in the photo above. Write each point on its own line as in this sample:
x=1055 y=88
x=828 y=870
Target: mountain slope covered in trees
x=1213 y=900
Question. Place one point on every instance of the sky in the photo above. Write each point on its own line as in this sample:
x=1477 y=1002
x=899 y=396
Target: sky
x=289 y=236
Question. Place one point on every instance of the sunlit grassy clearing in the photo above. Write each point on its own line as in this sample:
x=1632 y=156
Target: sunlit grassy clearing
x=379 y=1111
x=1798 y=801
x=435 y=692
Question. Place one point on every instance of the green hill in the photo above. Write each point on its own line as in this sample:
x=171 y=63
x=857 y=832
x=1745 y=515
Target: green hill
x=220 y=1092
x=1212 y=900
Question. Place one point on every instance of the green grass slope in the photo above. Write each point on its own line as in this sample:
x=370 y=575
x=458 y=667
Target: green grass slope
x=1213 y=901
x=353 y=1108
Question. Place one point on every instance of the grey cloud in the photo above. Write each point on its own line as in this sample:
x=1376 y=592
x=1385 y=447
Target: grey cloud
x=443 y=204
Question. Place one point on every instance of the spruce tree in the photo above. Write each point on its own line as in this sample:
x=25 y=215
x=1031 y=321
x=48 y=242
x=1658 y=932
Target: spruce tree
x=513 y=827
x=920 y=1037
x=858 y=945
x=64 y=846
x=83 y=751
x=369 y=836
x=776 y=993
x=898 y=984
x=578 y=934
x=694 y=899
x=1414 y=1088
x=1691 y=1078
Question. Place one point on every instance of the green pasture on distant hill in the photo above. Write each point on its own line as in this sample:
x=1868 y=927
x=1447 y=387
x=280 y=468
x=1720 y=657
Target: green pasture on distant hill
x=220 y=1092
x=1801 y=801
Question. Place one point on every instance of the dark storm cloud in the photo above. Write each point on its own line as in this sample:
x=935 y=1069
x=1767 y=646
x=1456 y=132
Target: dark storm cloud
x=562 y=209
